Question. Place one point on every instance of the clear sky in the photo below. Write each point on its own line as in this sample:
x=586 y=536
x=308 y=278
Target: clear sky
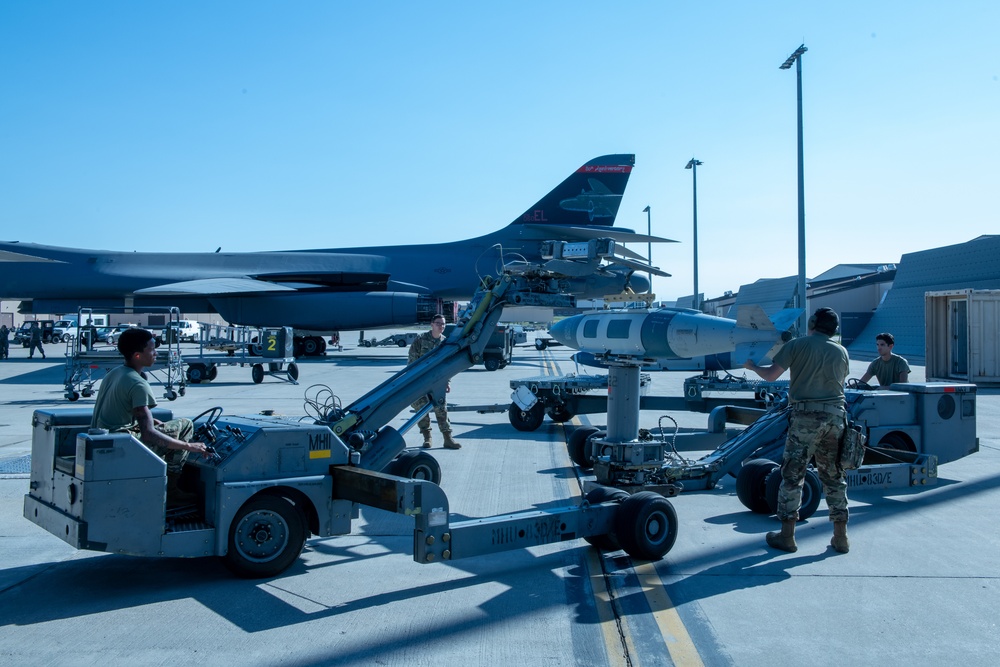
x=271 y=125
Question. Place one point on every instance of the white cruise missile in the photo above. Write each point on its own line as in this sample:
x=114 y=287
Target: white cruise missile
x=676 y=338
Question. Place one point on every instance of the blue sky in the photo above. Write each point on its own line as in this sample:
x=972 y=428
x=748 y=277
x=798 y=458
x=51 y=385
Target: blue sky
x=266 y=125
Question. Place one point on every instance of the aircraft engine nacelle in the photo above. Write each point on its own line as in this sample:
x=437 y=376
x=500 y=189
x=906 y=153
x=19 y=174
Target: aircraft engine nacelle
x=319 y=311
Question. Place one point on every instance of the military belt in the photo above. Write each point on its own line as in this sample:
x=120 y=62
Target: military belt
x=813 y=406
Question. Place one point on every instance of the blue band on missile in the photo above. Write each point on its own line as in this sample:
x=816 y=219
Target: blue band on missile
x=654 y=335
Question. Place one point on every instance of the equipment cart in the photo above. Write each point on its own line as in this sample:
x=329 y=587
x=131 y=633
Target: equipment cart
x=268 y=351
x=87 y=366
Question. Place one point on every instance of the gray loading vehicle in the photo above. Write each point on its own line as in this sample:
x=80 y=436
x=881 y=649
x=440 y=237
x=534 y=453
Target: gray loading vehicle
x=272 y=482
x=911 y=429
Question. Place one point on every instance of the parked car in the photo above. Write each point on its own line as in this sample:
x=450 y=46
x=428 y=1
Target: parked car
x=115 y=332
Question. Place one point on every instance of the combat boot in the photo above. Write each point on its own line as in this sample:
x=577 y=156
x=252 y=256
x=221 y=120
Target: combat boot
x=176 y=496
x=840 y=543
x=427 y=438
x=449 y=442
x=785 y=540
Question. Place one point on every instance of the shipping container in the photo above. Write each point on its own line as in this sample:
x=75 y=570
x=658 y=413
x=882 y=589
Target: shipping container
x=962 y=335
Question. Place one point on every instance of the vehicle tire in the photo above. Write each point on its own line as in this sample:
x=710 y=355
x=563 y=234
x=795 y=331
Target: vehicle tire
x=897 y=441
x=213 y=372
x=401 y=342
x=596 y=496
x=559 y=413
x=366 y=343
x=751 y=484
x=414 y=464
x=541 y=345
x=309 y=346
x=491 y=364
x=812 y=491
x=196 y=373
x=646 y=525
x=257 y=373
x=579 y=447
x=293 y=371
x=266 y=537
x=526 y=420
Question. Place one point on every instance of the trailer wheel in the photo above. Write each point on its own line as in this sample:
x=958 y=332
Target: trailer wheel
x=541 y=344
x=492 y=364
x=196 y=373
x=897 y=441
x=414 y=464
x=401 y=342
x=596 y=496
x=751 y=484
x=526 y=420
x=266 y=537
x=812 y=491
x=293 y=371
x=171 y=395
x=646 y=525
x=578 y=446
x=560 y=413
x=213 y=372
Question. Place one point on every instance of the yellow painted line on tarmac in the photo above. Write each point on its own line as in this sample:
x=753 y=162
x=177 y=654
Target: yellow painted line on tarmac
x=682 y=649
x=617 y=640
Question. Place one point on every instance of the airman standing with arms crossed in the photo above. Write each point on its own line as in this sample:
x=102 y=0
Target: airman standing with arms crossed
x=818 y=367
x=889 y=367
x=423 y=344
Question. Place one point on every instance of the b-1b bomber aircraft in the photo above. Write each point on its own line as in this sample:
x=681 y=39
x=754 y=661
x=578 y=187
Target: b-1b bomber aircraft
x=565 y=233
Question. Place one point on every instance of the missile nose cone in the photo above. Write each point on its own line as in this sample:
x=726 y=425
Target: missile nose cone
x=639 y=283
x=564 y=331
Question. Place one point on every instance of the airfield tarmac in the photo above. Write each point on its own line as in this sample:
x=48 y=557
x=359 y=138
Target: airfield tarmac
x=920 y=586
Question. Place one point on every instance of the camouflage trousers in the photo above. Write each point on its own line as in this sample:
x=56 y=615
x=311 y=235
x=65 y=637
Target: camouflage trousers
x=440 y=413
x=181 y=429
x=813 y=434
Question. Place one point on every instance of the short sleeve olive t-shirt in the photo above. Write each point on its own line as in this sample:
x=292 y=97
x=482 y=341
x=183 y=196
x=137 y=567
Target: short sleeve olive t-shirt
x=122 y=390
x=818 y=367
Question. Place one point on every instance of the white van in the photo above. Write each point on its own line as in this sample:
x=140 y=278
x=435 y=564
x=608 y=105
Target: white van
x=187 y=331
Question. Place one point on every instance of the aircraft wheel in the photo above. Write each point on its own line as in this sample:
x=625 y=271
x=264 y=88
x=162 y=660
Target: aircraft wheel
x=293 y=371
x=414 y=464
x=579 y=447
x=751 y=484
x=596 y=496
x=310 y=346
x=266 y=537
x=646 y=525
x=526 y=420
x=812 y=491
x=257 y=373
x=491 y=364
x=196 y=373
x=213 y=372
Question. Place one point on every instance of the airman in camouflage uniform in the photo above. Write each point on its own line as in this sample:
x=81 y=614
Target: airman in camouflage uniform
x=423 y=344
x=818 y=367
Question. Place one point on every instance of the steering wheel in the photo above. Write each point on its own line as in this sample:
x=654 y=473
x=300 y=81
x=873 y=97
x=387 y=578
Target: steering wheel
x=206 y=432
x=854 y=383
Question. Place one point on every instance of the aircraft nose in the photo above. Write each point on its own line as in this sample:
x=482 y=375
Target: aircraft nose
x=639 y=283
x=564 y=331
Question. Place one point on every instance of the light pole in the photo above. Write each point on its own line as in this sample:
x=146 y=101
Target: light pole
x=693 y=166
x=649 y=244
x=800 y=302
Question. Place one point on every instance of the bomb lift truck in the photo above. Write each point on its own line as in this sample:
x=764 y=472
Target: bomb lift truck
x=272 y=481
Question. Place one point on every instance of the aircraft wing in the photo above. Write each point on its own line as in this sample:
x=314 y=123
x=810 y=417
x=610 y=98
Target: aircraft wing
x=208 y=286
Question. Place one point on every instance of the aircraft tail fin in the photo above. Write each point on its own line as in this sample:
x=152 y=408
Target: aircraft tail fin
x=589 y=196
x=753 y=317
